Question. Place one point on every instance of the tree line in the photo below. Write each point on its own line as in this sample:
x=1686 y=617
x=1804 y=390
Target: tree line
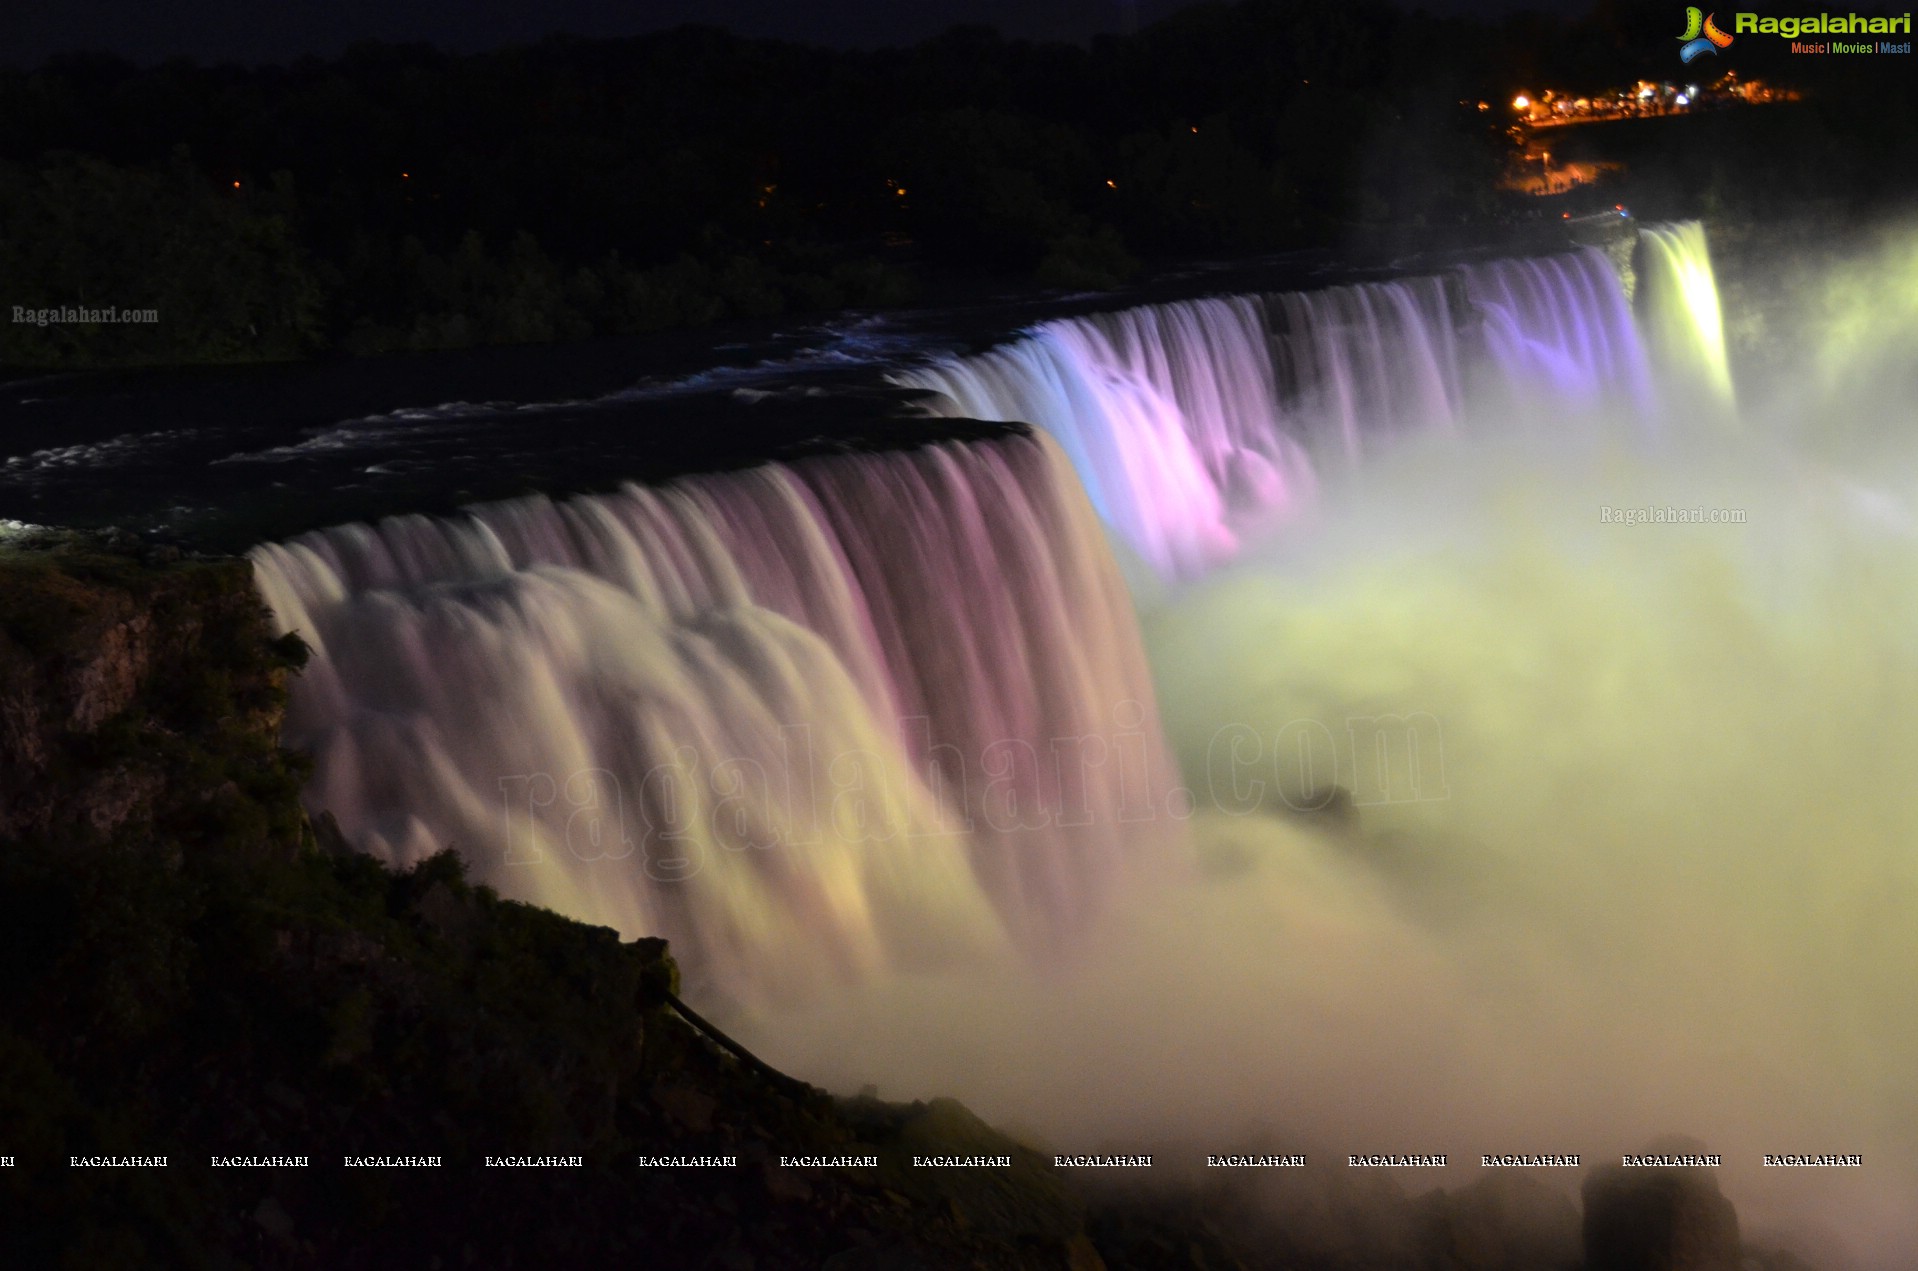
x=398 y=198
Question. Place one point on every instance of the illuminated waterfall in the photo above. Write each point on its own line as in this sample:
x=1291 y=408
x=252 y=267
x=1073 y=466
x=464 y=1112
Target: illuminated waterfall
x=807 y=721
x=871 y=711
x=1196 y=422
x=1630 y=840
x=1558 y=336
x=1197 y=425
x=1678 y=305
x=1631 y=844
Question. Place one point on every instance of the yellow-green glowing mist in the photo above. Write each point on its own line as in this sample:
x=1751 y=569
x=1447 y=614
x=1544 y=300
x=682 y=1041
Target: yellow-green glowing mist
x=1654 y=871
x=1678 y=304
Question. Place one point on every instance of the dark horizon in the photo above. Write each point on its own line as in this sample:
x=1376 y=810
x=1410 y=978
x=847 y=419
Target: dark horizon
x=227 y=31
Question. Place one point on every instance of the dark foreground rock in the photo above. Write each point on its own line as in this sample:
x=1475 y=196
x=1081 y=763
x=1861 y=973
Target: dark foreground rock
x=1659 y=1219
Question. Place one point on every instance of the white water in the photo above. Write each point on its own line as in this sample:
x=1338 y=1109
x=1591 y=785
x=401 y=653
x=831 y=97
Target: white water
x=1652 y=869
x=810 y=722
x=1200 y=426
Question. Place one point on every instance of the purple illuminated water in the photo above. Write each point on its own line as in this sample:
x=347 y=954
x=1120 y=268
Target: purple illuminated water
x=1558 y=334
x=1201 y=425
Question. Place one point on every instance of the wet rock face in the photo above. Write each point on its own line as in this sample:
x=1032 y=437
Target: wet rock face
x=131 y=690
x=106 y=678
x=1659 y=1219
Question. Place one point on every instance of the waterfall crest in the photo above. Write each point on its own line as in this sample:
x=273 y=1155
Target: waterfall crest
x=1200 y=425
x=807 y=721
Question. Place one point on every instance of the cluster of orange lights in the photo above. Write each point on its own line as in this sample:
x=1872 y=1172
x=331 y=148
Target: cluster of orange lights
x=1641 y=99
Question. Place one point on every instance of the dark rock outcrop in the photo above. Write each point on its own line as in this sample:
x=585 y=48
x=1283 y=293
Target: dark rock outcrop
x=1659 y=1219
x=140 y=701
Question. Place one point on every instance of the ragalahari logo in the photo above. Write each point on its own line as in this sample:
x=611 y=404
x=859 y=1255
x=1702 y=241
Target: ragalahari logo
x=1697 y=44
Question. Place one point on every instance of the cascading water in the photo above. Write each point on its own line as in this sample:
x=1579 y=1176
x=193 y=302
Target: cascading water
x=1194 y=423
x=1625 y=847
x=1558 y=335
x=1624 y=850
x=1360 y=365
x=1197 y=426
x=826 y=718
x=1677 y=302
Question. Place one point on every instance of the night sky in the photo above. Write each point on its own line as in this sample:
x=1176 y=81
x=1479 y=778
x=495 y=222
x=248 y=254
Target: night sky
x=249 y=31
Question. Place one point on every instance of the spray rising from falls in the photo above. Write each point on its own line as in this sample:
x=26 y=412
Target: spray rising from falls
x=1521 y=821
x=809 y=720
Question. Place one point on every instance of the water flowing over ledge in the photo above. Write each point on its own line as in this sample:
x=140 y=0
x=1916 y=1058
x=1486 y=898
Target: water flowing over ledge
x=1198 y=425
x=868 y=711
x=807 y=720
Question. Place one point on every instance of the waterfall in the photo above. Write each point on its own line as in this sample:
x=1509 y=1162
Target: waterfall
x=1678 y=306
x=1362 y=364
x=1558 y=336
x=807 y=721
x=1201 y=424
x=1108 y=388
x=1195 y=423
x=879 y=710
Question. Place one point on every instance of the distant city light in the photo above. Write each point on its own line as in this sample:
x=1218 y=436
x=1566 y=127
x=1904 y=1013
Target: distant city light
x=1520 y=102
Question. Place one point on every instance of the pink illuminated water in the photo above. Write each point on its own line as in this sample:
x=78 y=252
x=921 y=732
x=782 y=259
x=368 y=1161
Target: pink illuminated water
x=872 y=711
x=1197 y=423
x=807 y=720
x=1202 y=425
